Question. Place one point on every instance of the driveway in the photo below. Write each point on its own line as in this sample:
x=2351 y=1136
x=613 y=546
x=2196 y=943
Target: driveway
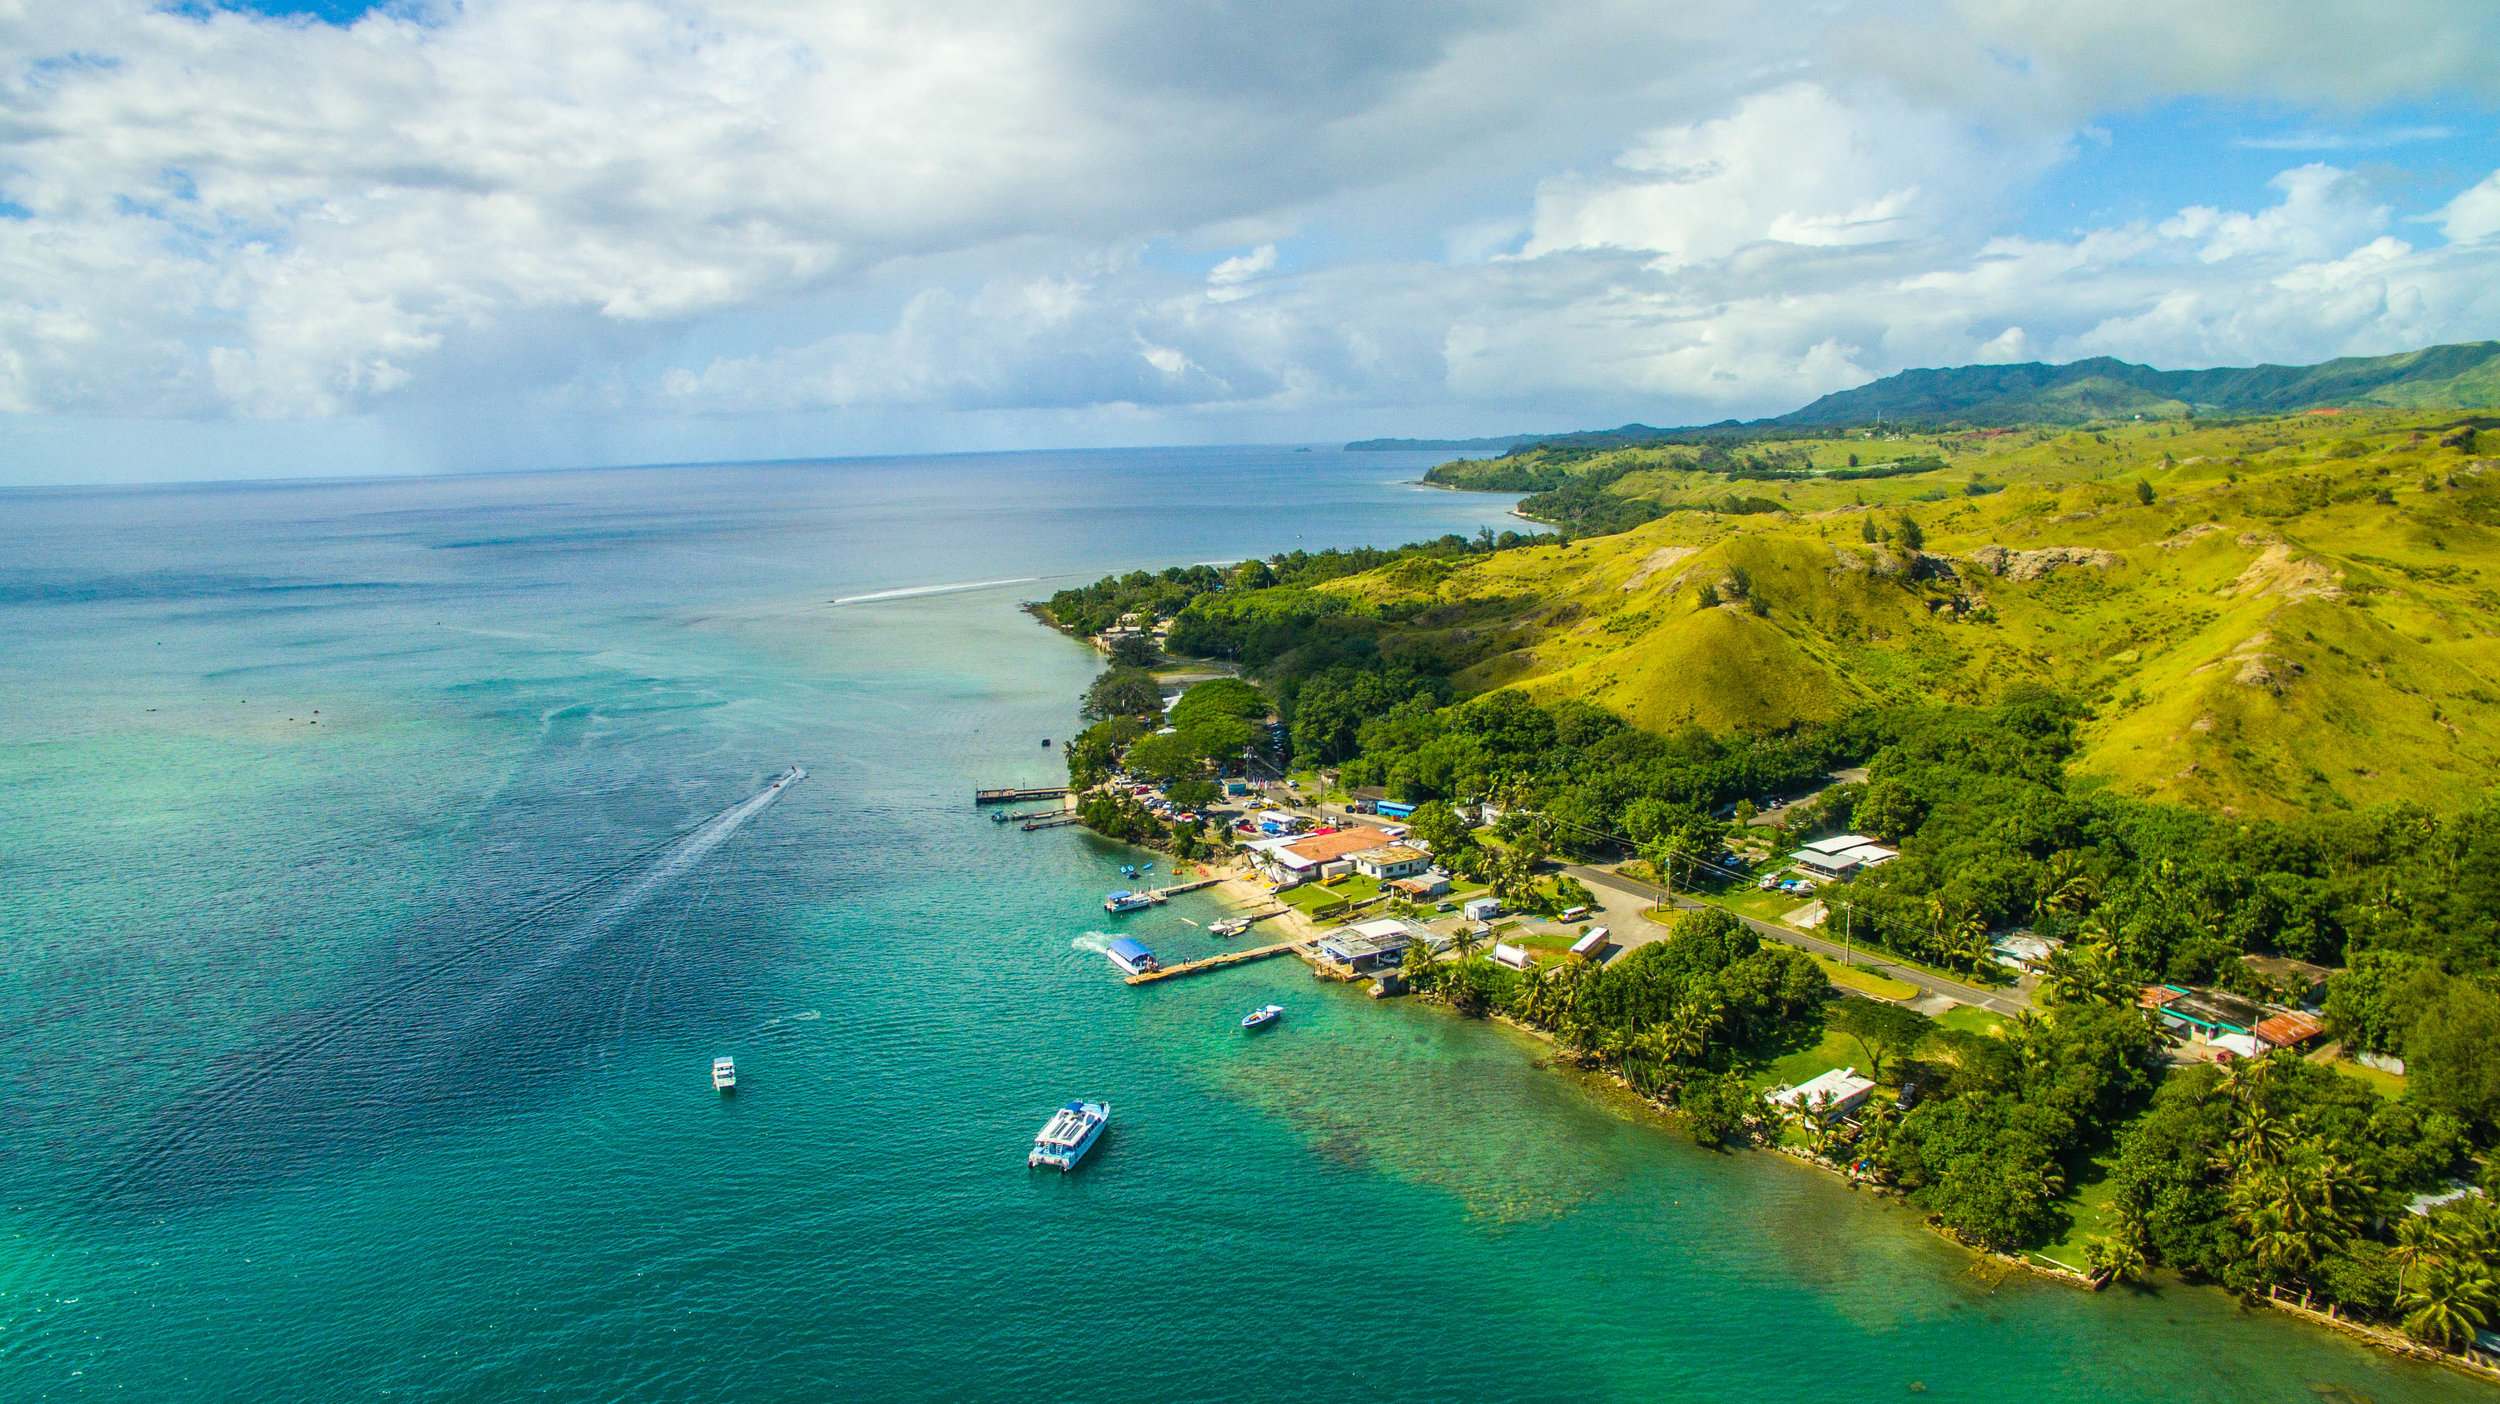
x=1626 y=902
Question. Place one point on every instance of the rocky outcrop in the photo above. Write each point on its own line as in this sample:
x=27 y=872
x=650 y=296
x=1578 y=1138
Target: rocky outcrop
x=2032 y=565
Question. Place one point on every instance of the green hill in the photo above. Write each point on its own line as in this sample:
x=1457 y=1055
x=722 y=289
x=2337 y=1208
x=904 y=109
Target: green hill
x=2266 y=617
x=2465 y=376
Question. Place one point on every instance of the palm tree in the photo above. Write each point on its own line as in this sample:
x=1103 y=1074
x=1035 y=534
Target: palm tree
x=2448 y=1303
x=1465 y=940
x=2112 y=1258
x=2259 y=1139
x=2420 y=1243
x=1970 y=940
x=1687 y=1032
x=2065 y=886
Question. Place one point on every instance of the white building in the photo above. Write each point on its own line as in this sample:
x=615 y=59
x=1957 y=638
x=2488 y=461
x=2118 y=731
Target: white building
x=1837 y=1092
x=1390 y=861
x=1833 y=859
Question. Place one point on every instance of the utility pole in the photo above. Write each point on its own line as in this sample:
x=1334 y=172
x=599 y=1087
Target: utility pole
x=1847 y=911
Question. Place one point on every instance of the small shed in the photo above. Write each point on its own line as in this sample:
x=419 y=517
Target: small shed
x=1481 y=908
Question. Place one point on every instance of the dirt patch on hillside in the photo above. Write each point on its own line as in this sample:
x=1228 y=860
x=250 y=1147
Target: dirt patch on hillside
x=2276 y=571
x=1657 y=561
x=2032 y=565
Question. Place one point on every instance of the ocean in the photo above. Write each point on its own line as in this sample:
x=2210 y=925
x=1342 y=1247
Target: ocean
x=382 y=864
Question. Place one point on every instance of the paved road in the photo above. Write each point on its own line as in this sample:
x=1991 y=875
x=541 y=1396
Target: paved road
x=1636 y=897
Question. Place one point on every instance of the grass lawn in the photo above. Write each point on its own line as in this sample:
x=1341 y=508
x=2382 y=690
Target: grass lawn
x=1972 y=1018
x=1865 y=981
x=2084 y=1201
x=2386 y=1084
x=1837 y=1050
x=1559 y=944
x=1754 y=902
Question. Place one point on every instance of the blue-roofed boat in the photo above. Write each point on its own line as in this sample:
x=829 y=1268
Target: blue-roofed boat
x=1070 y=1132
x=1132 y=956
x=1127 y=901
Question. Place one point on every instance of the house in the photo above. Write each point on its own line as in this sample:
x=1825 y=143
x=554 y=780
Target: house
x=1290 y=860
x=1374 y=945
x=1836 y=1092
x=1482 y=908
x=2201 y=1013
x=2289 y=1029
x=2297 y=981
x=2023 y=950
x=1516 y=957
x=1833 y=859
x=1390 y=861
x=1423 y=887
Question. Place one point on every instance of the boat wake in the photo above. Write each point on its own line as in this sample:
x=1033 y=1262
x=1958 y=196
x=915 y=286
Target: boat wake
x=916 y=591
x=1094 y=942
x=401 y=1027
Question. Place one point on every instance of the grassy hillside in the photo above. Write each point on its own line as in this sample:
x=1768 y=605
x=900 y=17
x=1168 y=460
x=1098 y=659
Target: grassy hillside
x=2267 y=616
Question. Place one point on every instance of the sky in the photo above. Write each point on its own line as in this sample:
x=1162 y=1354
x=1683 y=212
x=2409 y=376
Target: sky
x=318 y=237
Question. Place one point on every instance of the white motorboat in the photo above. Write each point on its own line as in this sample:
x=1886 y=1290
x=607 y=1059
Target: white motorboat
x=1070 y=1132
x=724 y=1075
x=1263 y=1016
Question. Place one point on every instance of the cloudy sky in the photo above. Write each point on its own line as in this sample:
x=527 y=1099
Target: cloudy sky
x=313 y=236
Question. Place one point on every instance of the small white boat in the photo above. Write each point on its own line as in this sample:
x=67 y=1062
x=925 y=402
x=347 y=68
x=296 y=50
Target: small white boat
x=1263 y=1016
x=724 y=1075
x=1228 y=926
x=1070 y=1132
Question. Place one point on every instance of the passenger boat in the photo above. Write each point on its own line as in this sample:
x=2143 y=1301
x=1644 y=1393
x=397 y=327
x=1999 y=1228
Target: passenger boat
x=1127 y=901
x=1263 y=1016
x=724 y=1075
x=1132 y=956
x=1069 y=1133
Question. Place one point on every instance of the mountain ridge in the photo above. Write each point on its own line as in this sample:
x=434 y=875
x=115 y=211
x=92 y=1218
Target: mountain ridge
x=2460 y=375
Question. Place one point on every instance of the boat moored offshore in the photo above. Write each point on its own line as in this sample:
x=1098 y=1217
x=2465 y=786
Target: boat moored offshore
x=1263 y=1016
x=724 y=1075
x=1127 y=901
x=1132 y=956
x=1070 y=1132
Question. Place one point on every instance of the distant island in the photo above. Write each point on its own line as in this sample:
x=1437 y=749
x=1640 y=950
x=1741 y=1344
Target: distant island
x=2464 y=376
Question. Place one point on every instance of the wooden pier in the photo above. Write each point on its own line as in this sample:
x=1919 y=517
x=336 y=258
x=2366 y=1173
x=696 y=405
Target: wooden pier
x=1037 y=792
x=1214 y=962
x=1056 y=821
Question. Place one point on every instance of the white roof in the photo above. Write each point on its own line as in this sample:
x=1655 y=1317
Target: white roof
x=1827 y=861
x=2244 y=1045
x=1390 y=926
x=1842 y=844
x=1836 y=1086
x=1594 y=941
x=1509 y=954
x=1870 y=854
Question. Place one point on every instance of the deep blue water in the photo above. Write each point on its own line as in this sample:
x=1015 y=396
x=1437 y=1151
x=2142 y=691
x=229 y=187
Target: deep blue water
x=366 y=952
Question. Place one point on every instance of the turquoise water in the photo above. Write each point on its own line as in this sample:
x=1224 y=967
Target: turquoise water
x=365 y=960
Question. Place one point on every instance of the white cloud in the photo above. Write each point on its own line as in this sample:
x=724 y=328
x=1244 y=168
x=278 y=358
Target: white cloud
x=1794 y=165
x=2474 y=215
x=722 y=210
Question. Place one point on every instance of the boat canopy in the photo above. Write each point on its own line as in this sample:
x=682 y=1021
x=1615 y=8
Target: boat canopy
x=1129 y=949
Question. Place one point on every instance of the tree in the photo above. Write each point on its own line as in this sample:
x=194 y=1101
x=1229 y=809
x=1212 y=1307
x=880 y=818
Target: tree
x=2143 y=492
x=1913 y=537
x=1439 y=827
x=2452 y=1053
x=1465 y=941
x=2448 y=1302
x=1132 y=651
x=1192 y=794
x=1123 y=692
x=2109 y=1258
x=1885 y=1031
